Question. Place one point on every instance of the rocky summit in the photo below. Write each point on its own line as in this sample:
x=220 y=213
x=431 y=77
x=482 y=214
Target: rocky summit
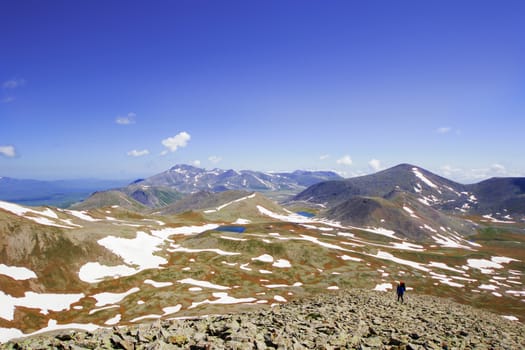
x=348 y=319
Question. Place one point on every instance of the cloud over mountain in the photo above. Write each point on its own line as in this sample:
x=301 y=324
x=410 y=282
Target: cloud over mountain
x=8 y=151
x=345 y=160
x=137 y=153
x=178 y=141
x=375 y=164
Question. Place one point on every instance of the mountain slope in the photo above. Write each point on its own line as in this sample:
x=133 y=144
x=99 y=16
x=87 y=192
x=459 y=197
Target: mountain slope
x=107 y=267
x=59 y=193
x=401 y=212
x=500 y=195
x=168 y=187
x=489 y=196
x=202 y=200
x=188 y=179
x=108 y=199
x=429 y=187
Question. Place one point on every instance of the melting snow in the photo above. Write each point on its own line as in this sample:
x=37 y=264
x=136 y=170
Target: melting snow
x=229 y=203
x=223 y=298
x=383 y=287
x=172 y=309
x=423 y=178
x=489 y=216
x=114 y=320
x=448 y=242
x=346 y=257
x=264 y=258
x=17 y=273
x=279 y=299
x=410 y=211
x=136 y=251
x=245 y=267
x=488 y=287
x=44 y=302
x=81 y=215
x=112 y=298
x=184 y=230
x=282 y=263
x=158 y=284
x=233 y=238
x=178 y=248
x=346 y=234
x=511 y=318
x=384 y=255
x=296 y=218
x=92 y=311
x=502 y=259
x=381 y=231
x=94 y=272
x=242 y=222
x=10 y=333
x=444 y=266
x=22 y=211
x=445 y=280
x=408 y=246
x=204 y=284
x=484 y=265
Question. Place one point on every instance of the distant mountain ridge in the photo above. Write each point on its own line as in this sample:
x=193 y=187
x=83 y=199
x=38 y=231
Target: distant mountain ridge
x=163 y=189
x=60 y=193
x=495 y=194
x=412 y=200
x=189 y=179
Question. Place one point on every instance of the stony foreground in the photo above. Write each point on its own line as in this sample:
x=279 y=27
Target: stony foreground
x=352 y=319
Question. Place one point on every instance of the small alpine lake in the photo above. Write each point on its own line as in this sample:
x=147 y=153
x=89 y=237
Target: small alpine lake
x=231 y=228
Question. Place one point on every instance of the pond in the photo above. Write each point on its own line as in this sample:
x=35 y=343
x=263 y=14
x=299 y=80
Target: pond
x=306 y=214
x=236 y=229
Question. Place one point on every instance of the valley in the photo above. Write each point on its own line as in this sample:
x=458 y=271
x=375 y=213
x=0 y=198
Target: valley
x=116 y=265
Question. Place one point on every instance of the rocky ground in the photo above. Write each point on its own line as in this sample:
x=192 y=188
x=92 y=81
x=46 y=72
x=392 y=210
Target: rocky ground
x=351 y=319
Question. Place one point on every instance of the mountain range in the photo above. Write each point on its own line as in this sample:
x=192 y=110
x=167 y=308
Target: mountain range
x=412 y=200
x=207 y=252
x=165 y=188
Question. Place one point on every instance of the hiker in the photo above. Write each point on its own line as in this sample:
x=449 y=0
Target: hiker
x=400 y=291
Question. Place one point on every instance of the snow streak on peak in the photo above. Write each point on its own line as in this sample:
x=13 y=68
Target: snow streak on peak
x=423 y=178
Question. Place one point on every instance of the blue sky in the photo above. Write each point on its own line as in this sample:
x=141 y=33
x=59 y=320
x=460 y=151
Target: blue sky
x=126 y=89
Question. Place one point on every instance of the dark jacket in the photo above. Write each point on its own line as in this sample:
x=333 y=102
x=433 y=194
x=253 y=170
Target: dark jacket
x=401 y=289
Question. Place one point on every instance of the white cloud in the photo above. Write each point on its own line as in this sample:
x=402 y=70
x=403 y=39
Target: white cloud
x=443 y=130
x=477 y=174
x=7 y=99
x=449 y=170
x=324 y=156
x=196 y=163
x=8 y=151
x=346 y=160
x=375 y=164
x=13 y=83
x=126 y=120
x=136 y=153
x=214 y=159
x=173 y=143
x=497 y=167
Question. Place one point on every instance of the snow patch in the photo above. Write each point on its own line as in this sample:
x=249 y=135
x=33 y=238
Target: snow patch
x=383 y=287
x=17 y=273
x=204 y=284
x=112 y=298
